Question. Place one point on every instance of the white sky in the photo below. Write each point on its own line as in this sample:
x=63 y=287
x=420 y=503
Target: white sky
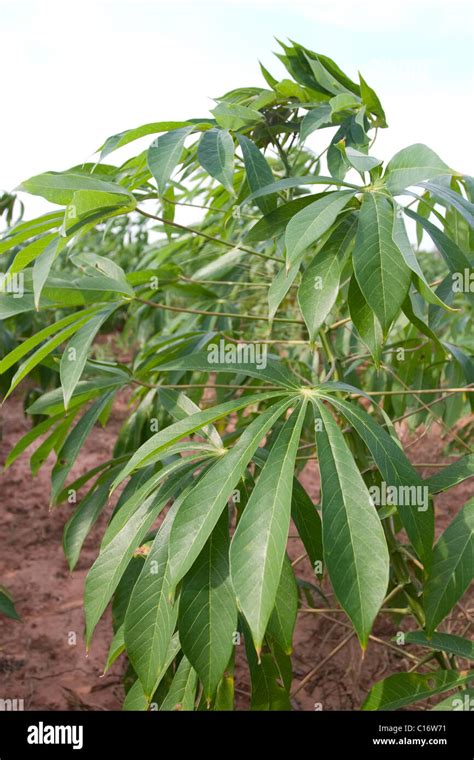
x=75 y=73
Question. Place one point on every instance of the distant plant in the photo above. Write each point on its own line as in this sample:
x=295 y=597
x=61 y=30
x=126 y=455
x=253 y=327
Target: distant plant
x=280 y=326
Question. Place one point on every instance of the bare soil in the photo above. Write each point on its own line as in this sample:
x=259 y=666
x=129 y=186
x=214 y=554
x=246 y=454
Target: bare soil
x=43 y=659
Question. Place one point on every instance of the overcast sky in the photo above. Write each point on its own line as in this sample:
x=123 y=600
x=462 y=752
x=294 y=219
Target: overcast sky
x=74 y=73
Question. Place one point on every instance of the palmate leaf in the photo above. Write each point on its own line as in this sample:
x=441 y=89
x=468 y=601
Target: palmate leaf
x=258 y=547
x=396 y=470
x=207 y=617
x=380 y=270
x=165 y=438
x=355 y=549
x=202 y=508
x=452 y=568
x=406 y=688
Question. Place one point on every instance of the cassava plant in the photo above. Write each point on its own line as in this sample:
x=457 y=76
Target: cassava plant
x=274 y=311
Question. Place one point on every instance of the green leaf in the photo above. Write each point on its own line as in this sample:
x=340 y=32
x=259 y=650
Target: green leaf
x=412 y=165
x=117 y=646
x=355 y=549
x=451 y=569
x=151 y=615
x=93 y=205
x=164 y=155
x=59 y=187
x=442 y=642
x=258 y=172
x=181 y=406
x=372 y=102
x=406 y=688
x=268 y=694
x=136 y=699
x=30 y=343
x=182 y=692
x=318 y=290
x=258 y=547
x=365 y=321
x=69 y=451
x=451 y=198
x=7 y=606
x=456 y=260
x=129 y=135
x=201 y=510
x=216 y=156
x=45 y=350
x=450 y=476
x=291 y=182
x=361 y=161
x=207 y=618
x=29 y=437
x=400 y=238
x=274 y=223
x=84 y=517
x=382 y=275
x=42 y=267
x=165 y=438
x=317 y=118
x=233 y=116
x=308 y=523
x=283 y=618
x=75 y=354
x=396 y=471
x=104 y=575
x=312 y=222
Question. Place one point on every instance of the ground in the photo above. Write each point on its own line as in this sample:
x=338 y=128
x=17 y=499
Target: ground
x=43 y=659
